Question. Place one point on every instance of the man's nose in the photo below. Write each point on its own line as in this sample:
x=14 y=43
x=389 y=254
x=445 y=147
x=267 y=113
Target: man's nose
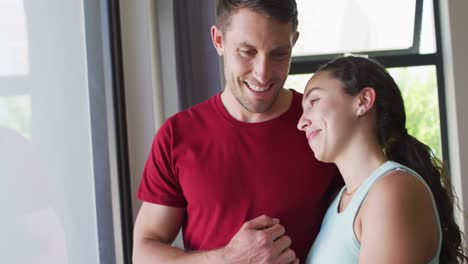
x=262 y=69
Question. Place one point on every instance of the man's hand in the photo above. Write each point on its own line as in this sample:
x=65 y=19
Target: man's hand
x=260 y=240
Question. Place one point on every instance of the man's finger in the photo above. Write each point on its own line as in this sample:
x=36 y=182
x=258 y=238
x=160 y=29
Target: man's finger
x=275 y=231
x=287 y=256
x=261 y=222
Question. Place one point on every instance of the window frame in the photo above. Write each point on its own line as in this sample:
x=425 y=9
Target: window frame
x=414 y=49
x=398 y=58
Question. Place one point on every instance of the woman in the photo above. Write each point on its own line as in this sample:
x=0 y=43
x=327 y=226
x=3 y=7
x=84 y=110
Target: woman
x=397 y=204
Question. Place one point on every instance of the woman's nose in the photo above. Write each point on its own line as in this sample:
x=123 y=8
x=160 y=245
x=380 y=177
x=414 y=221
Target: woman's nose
x=303 y=123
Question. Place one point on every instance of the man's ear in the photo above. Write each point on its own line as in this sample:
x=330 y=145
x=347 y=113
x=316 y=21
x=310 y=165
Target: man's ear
x=217 y=38
x=365 y=100
x=295 y=37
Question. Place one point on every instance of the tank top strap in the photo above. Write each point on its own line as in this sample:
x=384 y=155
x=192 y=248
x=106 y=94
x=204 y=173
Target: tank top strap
x=362 y=191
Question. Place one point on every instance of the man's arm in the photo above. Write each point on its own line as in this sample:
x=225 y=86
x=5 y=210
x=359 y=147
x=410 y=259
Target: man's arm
x=156 y=227
x=260 y=240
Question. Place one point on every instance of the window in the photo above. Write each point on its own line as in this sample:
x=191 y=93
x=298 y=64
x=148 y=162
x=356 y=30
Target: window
x=401 y=34
x=54 y=193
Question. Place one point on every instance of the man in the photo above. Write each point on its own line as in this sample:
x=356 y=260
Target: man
x=233 y=171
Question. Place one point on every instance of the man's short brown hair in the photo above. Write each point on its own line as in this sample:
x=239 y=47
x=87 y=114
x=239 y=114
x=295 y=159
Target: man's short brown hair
x=283 y=10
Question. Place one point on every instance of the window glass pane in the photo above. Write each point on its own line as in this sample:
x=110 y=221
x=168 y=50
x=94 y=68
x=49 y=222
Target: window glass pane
x=419 y=89
x=297 y=81
x=15 y=113
x=13 y=40
x=428 y=40
x=47 y=194
x=340 y=26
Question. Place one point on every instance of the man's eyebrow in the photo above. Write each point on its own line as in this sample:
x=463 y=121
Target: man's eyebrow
x=245 y=44
x=248 y=45
x=284 y=47
x=307 y=94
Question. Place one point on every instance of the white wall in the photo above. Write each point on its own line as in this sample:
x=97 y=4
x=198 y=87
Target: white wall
x=150 y=77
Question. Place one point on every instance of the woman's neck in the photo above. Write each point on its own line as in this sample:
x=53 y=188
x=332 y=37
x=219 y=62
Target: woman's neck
x=357 y=163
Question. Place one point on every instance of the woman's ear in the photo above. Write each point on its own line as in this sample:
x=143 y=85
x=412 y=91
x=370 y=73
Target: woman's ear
x=365 y=100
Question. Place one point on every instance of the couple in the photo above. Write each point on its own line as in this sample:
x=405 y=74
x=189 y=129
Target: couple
x=240 y=179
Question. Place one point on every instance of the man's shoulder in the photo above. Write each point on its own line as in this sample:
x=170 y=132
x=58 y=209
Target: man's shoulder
x=296 y=104
x=296 y=93
x=200 y=109
x=297 y=97
x=190 y=117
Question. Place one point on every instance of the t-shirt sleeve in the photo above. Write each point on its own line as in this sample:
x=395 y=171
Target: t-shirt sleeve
x=159 y=183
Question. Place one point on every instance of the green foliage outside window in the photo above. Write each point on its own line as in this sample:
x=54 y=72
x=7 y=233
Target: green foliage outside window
x=15 y=113
x=418 y=86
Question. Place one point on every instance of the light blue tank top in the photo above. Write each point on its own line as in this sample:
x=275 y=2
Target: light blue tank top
x=336 y=241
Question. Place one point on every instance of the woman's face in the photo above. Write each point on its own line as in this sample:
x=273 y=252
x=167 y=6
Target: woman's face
x=329 y=116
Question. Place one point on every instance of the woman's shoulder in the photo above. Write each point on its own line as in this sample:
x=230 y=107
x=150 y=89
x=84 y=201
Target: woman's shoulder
x=398 y=212
x=396 y=185
x=399 y=192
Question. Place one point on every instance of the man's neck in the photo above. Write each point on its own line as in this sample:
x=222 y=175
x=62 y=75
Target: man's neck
x=238 y=112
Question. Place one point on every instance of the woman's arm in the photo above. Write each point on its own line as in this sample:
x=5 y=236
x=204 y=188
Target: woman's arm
x=397 y=222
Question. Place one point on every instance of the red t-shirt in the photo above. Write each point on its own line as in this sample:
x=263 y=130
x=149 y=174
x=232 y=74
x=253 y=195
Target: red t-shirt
x=225 y=172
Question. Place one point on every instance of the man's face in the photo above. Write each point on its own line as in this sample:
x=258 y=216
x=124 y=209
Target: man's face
x=257 y=53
